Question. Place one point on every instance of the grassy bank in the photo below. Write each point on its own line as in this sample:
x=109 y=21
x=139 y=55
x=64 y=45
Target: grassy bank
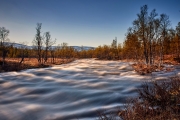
x=12 y=64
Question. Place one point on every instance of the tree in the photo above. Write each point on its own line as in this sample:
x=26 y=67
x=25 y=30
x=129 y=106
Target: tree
x=64 y=47
x=23 y=51
x=178 y=38
x=4 y=43
x=37 y=43
x=119 y=49
x=173 y=46
x=140 y=26
x=157 y=36
x=132 y=45
x=48 y=43
x=151 y=34
x=52 y=51
x=114 y=43
x=164 y=26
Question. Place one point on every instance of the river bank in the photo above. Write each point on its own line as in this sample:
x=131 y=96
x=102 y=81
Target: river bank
x=75 y=90
x=12 y=64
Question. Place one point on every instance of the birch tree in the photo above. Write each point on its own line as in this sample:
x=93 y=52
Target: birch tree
x=164 y=26
x=38 y=42
x=4 y=33
x=48 y=43
x=178 y=38
x=140 y=26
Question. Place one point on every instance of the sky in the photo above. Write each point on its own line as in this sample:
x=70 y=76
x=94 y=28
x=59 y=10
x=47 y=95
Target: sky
x=78 y=22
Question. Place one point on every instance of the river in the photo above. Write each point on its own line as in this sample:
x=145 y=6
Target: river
x=70 y=91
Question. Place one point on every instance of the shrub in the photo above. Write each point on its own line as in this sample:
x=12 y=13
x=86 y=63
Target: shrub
x=159 y=100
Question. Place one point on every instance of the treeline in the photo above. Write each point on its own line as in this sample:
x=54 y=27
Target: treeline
x=42 y=48
x=150 y=38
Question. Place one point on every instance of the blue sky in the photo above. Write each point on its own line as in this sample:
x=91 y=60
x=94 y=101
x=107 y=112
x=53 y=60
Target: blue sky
x=78 y=22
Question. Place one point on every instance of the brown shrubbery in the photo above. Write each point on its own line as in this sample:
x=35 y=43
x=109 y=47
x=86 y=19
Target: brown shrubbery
x=143 y=69
x=12 y=64
x=156 y=101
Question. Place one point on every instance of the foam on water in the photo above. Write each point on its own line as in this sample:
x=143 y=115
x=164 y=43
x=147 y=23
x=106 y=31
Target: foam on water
x=71 y=91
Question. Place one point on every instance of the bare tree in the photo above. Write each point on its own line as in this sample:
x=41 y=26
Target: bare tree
x=52 y=51
x=64 y=47
x=164 y=26
x=4 y=43
x=132 y=45
x=156 y=38
x=48 y=43
x=23 y=49
x=114 y=43
x=37 y=43
x=151 y=33
x=140 y=26
x=178 y=38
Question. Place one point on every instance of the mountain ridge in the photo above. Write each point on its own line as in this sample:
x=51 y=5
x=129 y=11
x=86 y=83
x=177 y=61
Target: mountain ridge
x=78 y=48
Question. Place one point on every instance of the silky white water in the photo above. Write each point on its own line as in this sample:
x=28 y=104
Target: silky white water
x=71 y=91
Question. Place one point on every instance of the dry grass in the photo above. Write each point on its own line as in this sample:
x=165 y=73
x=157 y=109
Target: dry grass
x=143 y=69
x=156 y=101
x=12 y=64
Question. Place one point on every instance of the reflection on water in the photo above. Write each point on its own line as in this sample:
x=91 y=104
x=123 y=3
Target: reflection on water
x=72 y=91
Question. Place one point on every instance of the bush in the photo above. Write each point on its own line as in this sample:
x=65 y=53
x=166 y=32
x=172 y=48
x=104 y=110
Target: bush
x=143 y=69
x=156 y=101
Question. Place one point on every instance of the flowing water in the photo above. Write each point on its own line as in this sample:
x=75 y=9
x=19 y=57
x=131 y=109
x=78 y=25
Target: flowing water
x=71 y=91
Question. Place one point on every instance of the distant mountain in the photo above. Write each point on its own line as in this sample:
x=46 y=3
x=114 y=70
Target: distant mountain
x=17 y=45
x=78 y=48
